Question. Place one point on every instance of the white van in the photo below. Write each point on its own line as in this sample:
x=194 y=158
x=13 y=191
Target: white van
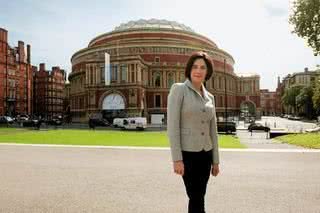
x=118 y=122
x=135 y=123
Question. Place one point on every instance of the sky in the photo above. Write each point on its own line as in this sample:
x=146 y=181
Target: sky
x=255 y=32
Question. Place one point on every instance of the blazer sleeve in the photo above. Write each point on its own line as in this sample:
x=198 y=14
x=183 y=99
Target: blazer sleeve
x=175 y=98
x=214 y=135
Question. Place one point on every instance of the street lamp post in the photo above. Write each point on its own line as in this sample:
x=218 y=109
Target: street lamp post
x=225 y=90
x=6 y=92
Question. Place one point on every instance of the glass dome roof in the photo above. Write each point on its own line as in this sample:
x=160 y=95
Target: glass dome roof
x=153 y=24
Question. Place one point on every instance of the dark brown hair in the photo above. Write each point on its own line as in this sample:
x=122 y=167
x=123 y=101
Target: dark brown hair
x=207 y=59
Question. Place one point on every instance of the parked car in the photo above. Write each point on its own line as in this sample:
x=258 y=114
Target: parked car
x=93 y=122
x=30 y=123
x=118 y=122
x=6 y=120
x=258 y=126
x=10 y=119
x=227 y=127
x=21 y=118
x=55 y=120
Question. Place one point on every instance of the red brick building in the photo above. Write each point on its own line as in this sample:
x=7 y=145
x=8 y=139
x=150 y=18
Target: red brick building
x=48 y=90
x=269 y=103
x=15 y=77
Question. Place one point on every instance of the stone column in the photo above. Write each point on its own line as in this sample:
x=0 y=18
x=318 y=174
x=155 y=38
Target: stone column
x=136 y=73
x=128 y=67
x=118 y=73
x=99 y=75
x=129 y=73
x=176 y=76
x=164 y=85
x=90 y=71
x=87 y=78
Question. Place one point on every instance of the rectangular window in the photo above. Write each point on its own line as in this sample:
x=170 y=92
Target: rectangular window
x=158 y=101
x=132 y=77
x=102 y=74
x=114 y=69
x=123 y=69
x=91 y=75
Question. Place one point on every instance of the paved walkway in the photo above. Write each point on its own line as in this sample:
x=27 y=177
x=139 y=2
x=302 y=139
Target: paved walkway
x=258 y=140
x=72 y=179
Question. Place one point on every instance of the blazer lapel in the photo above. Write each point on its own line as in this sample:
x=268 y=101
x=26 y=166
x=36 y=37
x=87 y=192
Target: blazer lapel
x=205 y=92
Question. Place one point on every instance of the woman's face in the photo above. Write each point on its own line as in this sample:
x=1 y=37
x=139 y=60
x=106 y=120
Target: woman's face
x=198 y=71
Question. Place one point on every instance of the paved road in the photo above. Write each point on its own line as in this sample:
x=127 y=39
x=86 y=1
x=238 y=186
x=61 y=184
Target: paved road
x=55 y=179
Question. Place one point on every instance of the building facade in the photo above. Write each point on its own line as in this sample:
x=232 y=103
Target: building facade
x=15 y=77
x=304 y=79
x=146 y=58
x=269 y=106
x=48 y=92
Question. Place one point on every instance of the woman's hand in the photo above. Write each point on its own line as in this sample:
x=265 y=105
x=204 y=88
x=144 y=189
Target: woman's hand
x=178 y=167
x=215 y=169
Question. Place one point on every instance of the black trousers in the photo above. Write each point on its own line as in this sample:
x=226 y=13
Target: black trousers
x=197 y=167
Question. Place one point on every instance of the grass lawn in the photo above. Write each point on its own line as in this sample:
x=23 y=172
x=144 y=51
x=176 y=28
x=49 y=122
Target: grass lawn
x=308 y=140
x=98 y=137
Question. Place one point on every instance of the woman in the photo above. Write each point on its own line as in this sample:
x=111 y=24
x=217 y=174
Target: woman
x=192 y=130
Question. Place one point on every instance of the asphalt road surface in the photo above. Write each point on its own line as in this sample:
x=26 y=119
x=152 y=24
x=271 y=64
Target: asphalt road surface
x=62 y=179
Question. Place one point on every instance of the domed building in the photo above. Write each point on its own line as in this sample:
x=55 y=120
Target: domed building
x=146 y=57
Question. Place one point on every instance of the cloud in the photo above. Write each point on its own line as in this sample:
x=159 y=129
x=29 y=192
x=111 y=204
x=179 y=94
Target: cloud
x=275 y=11
x=275 y=8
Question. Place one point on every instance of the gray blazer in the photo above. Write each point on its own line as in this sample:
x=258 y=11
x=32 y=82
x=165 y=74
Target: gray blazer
x=191 y=122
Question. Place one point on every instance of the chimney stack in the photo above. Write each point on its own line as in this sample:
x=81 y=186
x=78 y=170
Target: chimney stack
x=21 y=51
x=28 y=54
x=56 y=69
x=42 y=67
x=3 y=35
x=34 y=69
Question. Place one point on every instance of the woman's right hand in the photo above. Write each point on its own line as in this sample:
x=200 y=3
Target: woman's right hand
x=178 y=167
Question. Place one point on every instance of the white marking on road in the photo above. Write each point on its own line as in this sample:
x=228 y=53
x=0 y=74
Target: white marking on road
x=302 y=150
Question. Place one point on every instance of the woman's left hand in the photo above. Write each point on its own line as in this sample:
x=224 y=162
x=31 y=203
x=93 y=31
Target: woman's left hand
x=215 y=169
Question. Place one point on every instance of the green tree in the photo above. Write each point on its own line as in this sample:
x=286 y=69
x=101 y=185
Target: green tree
x=316 y=96
x=304 y=100
x=289 y=97
x=305 y=18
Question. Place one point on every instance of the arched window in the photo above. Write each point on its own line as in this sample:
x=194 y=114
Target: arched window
x=157 y=79
x=170 y=79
